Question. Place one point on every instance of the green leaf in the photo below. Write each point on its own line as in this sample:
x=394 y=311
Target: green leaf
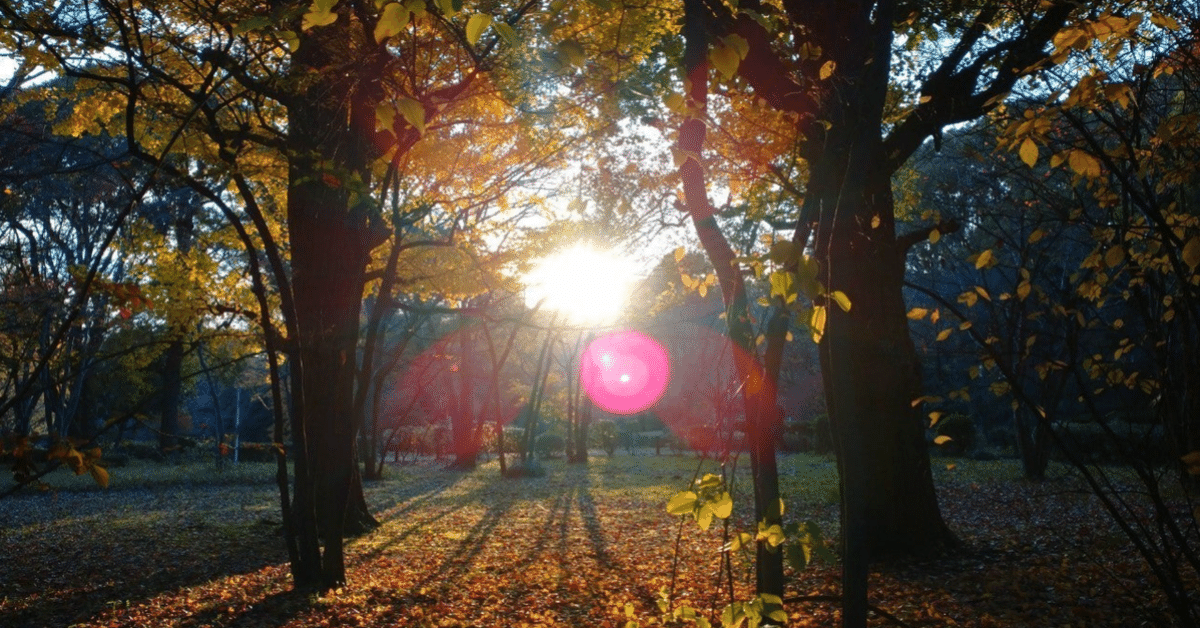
x=416 y=7
x=253 y=24
x=320 y=13
x=682 y=503
x=413 y=112
x=842 y=300
x=385 y=116
x=291 y=39
x=571 y=52
x=723 y=507
x=725 y=59
x=476 y=26
x=508 y=34
x=395 y=17
x=1029 y=152
x=784 y=252
x=447 y=7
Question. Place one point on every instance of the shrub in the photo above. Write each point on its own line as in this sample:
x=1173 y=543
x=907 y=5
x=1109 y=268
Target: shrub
x=550 y=445
x=604 y=435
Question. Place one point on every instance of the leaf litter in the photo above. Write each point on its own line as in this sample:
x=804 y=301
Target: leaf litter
x=459 y=550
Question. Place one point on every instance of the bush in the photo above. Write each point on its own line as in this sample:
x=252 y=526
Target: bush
x=550 y=446
x=604 y=435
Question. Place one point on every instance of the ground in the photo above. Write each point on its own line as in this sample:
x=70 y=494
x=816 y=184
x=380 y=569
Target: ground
x=592 y=545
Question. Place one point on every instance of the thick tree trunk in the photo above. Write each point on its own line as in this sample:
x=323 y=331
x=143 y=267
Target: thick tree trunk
x=330 y=246
x=869 y=364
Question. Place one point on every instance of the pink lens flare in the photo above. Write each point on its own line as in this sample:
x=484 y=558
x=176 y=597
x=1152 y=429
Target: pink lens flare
x=624 y=372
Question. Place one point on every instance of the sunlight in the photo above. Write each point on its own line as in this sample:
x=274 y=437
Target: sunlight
x=587 y=286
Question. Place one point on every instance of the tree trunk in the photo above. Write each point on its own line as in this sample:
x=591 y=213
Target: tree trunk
x=172 y=386
x=330 y=247
x=869 y=364
x=758 y=395
x=462 y=409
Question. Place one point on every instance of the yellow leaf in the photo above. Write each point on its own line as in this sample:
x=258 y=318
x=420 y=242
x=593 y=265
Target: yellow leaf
x=1036 y=235
x=941 y=439
x=951 y=466
x=983 y=293
x=1029 y=152
x=100 y=475
x=842 y=300
x=413 y=112
x=679 y=253
x=393 y=20
x=674 y=102
x=508 y=33
x=934 y=236
x=945 y=333
x=827 y=69
x=934 y=417
x=320 y=13
x=725 y=59
x=723 y=507
x=1114 y=256
x=475 y=27
x=917 y=313
x=1023 y=289
x=385 y=116
x=1191 y=252
x=983 y=259
x=682 y=503
x=817 y=323
x=1192 y=462
x=1083 y=163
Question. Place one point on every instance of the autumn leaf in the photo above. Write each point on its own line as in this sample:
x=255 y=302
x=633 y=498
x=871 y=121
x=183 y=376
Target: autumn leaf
x=391 y=22
x=1029 y=152
x=475 y=27
x=1191 y=252
x=1083 y=163
x=320 y=13
x=1191 y=461
x=682 y=503
x=841 y=299
x=827 y=69
x=941 y=439
x=983 y=259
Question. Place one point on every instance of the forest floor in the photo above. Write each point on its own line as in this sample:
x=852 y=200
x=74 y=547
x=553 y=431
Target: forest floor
x=584 y=546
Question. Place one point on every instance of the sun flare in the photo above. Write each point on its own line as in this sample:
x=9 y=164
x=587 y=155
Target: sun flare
x=586 y=285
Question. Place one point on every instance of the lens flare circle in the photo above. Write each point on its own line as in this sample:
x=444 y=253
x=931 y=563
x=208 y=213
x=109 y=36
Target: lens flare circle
x=624 y=372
